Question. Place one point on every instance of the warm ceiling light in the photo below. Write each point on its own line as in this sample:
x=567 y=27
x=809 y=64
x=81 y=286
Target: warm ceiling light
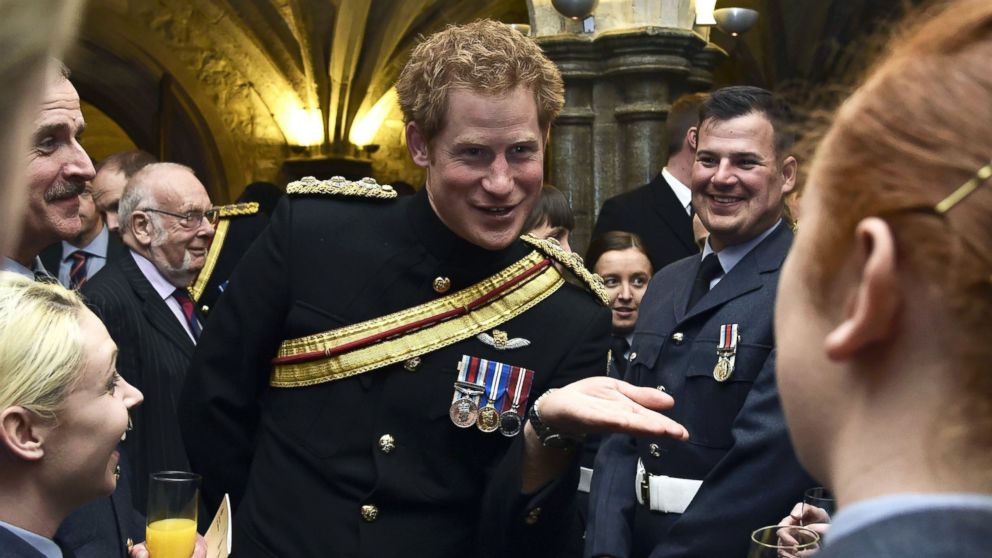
x=735 y=20
x=365 y=128
x=304 y=127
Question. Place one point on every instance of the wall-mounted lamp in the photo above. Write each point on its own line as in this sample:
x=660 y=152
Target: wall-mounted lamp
x=304 y=127
x=575 y=9
x=704 y=12
x=735 y=21
x=365 y=127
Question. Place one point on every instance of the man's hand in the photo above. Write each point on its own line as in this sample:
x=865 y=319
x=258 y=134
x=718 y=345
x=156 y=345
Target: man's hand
x=602 y=404
x=199 y=551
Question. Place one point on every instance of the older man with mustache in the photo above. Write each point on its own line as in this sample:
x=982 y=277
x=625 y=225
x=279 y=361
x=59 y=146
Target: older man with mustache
x=57 y=171
x=166 y=221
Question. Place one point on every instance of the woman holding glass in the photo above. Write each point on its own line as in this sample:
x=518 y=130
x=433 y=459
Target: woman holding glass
x=883 y=355
x=63 y=411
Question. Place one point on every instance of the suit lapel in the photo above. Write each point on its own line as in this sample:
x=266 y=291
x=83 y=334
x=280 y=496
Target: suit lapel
x=747 y=275
x=155 y=309
x=667 y=206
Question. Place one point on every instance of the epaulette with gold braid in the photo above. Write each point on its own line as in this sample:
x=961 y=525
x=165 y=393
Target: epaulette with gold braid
x=571 y=261
x=237 y=210
x=341 y=186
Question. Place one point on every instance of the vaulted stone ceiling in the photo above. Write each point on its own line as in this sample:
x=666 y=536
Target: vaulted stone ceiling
x=235 y=87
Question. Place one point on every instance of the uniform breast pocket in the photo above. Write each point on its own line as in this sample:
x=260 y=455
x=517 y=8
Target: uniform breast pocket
x=710 y=405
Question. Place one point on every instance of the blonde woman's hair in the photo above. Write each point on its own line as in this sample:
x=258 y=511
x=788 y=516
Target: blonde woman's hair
x=41 y=344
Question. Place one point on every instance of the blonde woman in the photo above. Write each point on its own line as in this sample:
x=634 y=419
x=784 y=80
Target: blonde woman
x=63 y=410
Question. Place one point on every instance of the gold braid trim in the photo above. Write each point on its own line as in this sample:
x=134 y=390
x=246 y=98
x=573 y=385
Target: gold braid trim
x=573 y=262
x=340 y=186
x=220 y=233
x=237 y=210
x=429 y=338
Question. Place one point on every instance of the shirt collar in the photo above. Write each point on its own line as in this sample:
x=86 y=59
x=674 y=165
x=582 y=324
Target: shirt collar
x=862 y=514
x=732 y=255
x=158 y=281
x=682 y=192
x=43 y=545
x=16 y=267
x=96 y=247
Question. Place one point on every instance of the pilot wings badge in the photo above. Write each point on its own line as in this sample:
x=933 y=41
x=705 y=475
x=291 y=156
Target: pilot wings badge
x=500 y=340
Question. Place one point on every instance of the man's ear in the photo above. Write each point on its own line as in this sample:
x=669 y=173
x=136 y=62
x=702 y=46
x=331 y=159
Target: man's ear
x=417 y=144
x=790 y=170
x=870 y=315
x=692 y=137
x=141 y=227
x=22 y=433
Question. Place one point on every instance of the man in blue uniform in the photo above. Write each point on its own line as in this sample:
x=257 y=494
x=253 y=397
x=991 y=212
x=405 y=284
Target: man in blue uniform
x=410 y=337
x=705 y=336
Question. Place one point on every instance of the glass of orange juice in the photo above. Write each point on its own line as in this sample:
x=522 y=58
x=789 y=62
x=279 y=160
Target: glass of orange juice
x=173 y=499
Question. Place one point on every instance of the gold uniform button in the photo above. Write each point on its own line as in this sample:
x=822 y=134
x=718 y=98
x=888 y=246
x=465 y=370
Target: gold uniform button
x=442 y=285
x=411 y=364
x=533 y=516
x=370 y=513
x=678 y=337
x=205 y=309
x=654 y=450
x=387 y=444
x=632 y=356
x=662 y=388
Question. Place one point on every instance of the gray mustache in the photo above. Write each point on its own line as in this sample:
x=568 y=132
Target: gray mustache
x=64 y=189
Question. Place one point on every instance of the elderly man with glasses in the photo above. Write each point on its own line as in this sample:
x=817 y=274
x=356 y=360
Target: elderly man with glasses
x=166 y=222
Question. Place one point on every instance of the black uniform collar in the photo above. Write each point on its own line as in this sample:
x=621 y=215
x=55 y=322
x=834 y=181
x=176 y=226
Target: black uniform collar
x=450 y=248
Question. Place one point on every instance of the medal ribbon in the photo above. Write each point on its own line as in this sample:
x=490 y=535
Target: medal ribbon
x=728 y=338
x=497 y=387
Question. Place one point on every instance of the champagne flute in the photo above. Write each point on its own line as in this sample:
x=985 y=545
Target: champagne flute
x=775 y=541
x=818 y=506
x=173 y=500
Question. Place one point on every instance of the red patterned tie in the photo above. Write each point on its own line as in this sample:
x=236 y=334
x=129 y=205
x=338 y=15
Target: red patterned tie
x=182 y=297
x=77 y=273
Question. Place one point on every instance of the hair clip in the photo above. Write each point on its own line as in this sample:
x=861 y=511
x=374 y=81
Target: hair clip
x=965 y=190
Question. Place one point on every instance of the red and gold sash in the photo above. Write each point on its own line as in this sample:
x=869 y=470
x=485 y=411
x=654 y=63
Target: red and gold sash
x=373 y=344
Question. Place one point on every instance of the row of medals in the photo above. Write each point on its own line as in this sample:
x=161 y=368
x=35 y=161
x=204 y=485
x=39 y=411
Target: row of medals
x=465 y=412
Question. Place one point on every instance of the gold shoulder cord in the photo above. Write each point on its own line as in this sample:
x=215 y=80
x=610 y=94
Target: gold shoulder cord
x=340 y=186
x=224 y=213
x=573 y=262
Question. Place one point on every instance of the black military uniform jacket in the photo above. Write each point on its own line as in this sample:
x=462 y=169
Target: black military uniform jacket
x=311 y=470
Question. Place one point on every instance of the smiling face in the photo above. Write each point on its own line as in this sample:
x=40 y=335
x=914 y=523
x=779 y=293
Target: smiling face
x=738 y=180
x=626 y=274
x=485 y=167
x=57 y=168
x=178 y=251
x=81 y=449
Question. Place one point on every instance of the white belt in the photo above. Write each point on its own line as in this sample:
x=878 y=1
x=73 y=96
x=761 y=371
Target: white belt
x=664 y=494
x=585 y=479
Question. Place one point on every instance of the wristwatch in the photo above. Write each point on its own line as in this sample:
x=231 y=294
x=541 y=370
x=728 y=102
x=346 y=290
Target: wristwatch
x=550 y=438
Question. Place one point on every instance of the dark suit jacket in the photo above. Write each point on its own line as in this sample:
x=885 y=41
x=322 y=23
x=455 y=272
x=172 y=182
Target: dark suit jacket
x=153 y=353
x=931 y=533
x=51 y=257
x=12 y=546
x=655 y=214
x=102 y=528
x=738 y=444
x=301 y=462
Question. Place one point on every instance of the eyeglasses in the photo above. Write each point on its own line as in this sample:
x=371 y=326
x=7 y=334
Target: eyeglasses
x=190 y=219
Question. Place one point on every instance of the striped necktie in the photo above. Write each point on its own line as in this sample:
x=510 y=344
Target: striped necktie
x=182 y=297
x=77 y=273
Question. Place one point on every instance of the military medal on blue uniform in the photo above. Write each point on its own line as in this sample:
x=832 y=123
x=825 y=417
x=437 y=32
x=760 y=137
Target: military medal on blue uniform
x=464 y=410
x=511 y=420
x=726 y=352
